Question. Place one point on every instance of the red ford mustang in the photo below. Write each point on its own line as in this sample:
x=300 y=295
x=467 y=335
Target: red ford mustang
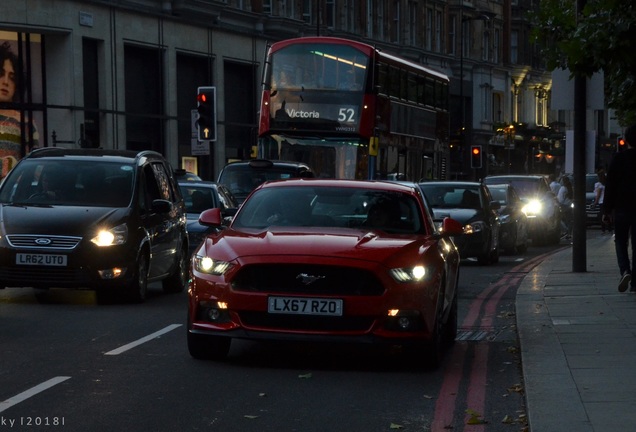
x=326 y=260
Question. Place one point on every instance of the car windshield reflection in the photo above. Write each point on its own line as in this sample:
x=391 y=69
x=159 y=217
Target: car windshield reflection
x=69 y=182
x=330 y=207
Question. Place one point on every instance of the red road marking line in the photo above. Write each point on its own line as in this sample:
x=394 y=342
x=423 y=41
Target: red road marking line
x=476 y=398
x=445 y=404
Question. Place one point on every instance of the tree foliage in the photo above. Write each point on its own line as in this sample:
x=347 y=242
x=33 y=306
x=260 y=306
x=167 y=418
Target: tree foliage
x=603 y=38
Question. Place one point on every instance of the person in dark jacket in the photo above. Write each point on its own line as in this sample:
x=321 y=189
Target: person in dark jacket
x=620 y=207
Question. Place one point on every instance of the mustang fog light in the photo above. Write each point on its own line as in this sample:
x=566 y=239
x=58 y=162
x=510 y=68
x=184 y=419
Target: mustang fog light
x=213 y=311
x=403 y=320
x=113 y=273
x=214 y=314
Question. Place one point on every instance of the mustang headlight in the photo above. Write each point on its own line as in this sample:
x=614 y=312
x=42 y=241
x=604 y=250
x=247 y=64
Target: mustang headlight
x=410 y=274
x=533 y=208
x=111 y=237
x=211 y=266
x=504 y=218
x=474 y=227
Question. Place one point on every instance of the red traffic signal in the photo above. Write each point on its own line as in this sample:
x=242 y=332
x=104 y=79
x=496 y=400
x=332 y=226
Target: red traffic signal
x=202 y=98
x=475 y=156
x=206 y=107
x=620 y=144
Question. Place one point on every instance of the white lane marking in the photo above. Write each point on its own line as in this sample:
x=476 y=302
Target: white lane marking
x=31 y=392
x=145 y=339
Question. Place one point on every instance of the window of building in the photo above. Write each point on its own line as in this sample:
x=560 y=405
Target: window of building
x=514 y=47
x=486 y=46
x=370 y=18
x=452 y=35
x=496 y=48
x=90 y=69
x=429 y=29
x=307 y=11
x=395 y=25
x=350 y=18
x=143 y=78
x=439 y=31
x=465 y=42
x=413 y=23
x=267 y=7
x=380 y=19
x=330 y=18
x=497 y=107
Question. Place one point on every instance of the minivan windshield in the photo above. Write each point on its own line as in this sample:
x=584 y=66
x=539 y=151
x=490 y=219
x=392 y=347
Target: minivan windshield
x=69 y=182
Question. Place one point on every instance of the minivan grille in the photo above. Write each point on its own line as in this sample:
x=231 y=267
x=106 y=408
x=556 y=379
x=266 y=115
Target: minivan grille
x=43 y=241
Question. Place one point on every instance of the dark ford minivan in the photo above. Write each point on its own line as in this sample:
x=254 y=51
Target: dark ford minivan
x=107 y=220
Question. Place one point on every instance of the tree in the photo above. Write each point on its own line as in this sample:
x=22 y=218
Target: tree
x=604 y=39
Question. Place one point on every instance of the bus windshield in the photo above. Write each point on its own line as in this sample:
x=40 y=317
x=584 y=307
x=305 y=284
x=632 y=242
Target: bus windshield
x=329 y=158
x=318 y=66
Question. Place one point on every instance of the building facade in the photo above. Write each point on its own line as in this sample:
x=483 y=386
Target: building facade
x=124 y=74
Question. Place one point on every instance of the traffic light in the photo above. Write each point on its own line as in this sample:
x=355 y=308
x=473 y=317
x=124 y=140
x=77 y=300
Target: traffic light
x=206 y=107
x=620 y=144
x=475 y=156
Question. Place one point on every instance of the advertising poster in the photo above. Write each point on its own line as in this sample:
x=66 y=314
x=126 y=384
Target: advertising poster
x=20 y=90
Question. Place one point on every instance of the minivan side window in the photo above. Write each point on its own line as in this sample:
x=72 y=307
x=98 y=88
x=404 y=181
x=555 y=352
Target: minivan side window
x=163 y=182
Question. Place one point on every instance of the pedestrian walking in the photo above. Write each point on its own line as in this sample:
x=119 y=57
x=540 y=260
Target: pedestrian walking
x=620 y=207
x=554 y=184
x=599 y=195
x=565 y=198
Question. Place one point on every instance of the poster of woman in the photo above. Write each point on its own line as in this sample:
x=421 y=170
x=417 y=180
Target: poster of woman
x=18 y=133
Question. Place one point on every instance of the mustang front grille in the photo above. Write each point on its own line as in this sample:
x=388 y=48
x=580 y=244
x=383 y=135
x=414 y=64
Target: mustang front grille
x=307 y=279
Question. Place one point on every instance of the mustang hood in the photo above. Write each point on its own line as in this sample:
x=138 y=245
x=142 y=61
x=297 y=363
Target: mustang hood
x=60 y=220
x=345 y=243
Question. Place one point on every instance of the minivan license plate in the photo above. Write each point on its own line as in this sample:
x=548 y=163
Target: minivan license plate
x=305 y=306
x=40 y=259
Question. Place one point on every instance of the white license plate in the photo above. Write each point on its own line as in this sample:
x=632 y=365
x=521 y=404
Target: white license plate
x=304 y=306
x=40 y=259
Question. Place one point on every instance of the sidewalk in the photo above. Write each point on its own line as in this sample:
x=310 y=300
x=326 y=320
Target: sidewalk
x=578 y=344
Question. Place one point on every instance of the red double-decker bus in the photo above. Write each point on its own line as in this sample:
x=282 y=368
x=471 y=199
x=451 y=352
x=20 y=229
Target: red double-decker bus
x=352 y=111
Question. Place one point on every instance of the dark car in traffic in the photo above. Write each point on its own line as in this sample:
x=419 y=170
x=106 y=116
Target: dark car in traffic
x=200 y=196
x=513 y=234
x=540 y=205
x=350 y=261
x=244 y=176
x=471 y=204
x=107 y=220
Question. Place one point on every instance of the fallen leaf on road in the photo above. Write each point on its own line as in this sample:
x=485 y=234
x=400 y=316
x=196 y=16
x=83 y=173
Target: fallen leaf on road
x=475 y=417
x=251 y=417
x=396 y=426
x=305 y=376
x=508 y=420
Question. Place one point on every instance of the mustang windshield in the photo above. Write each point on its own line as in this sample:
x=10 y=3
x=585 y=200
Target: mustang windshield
x=331 y=207
x=68 y=182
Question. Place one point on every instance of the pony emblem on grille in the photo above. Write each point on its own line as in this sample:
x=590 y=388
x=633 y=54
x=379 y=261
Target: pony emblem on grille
x=308 y=279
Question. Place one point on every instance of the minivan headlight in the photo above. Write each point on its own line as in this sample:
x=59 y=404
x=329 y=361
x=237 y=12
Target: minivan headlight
x=111 y=237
